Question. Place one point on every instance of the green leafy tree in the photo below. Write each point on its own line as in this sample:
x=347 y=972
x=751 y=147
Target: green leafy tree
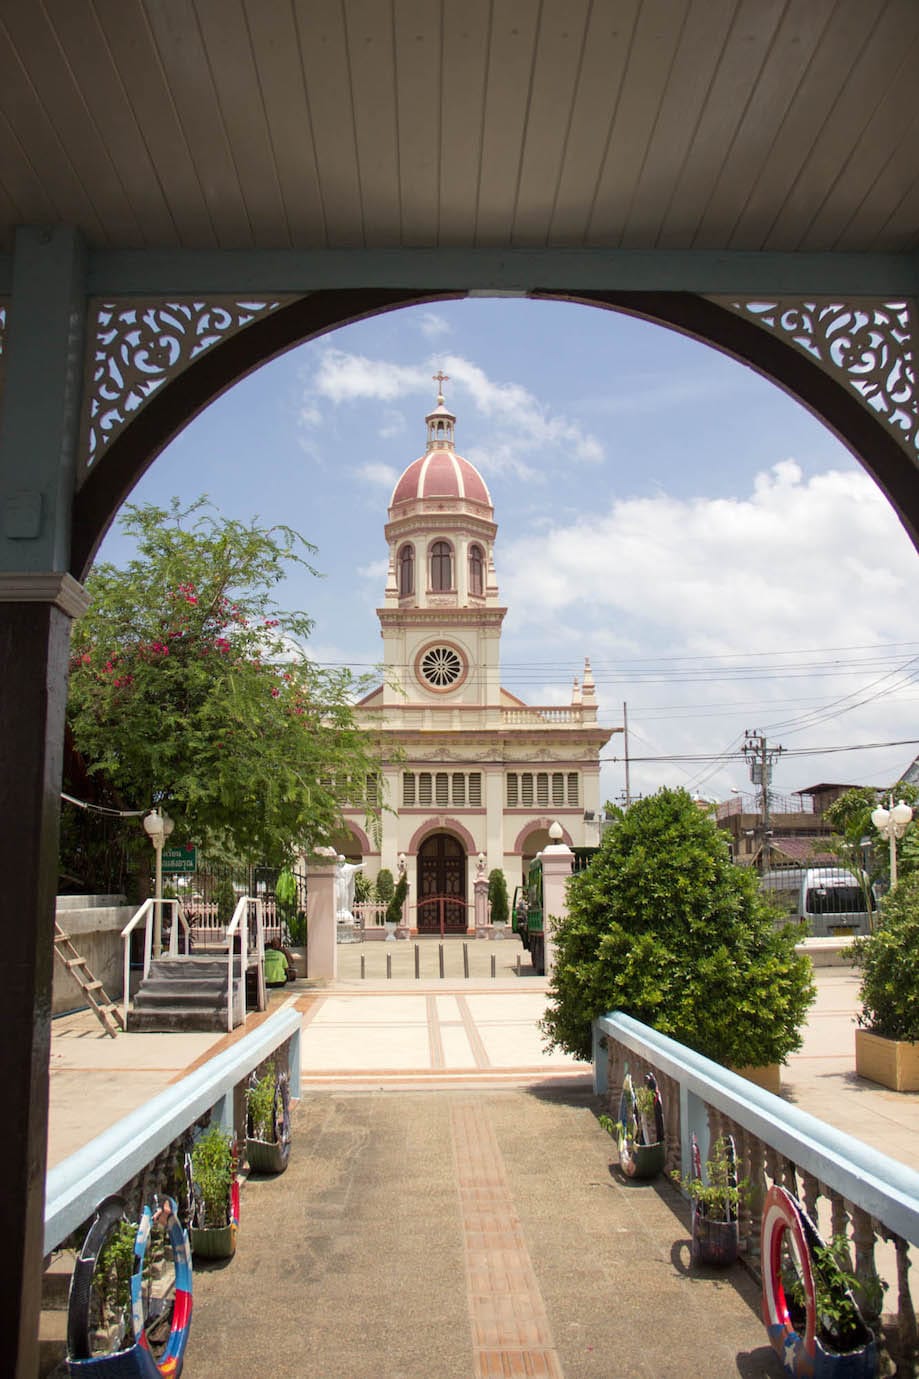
x=857 y=843
x=663 y=926
x=190 y=688
x=497 y=896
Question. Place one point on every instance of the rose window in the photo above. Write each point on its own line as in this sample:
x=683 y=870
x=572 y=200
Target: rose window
x=441 y=666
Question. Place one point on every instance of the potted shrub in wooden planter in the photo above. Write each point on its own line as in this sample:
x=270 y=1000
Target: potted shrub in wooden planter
x=639 y=1131
x=715 y=1202
x=268 y=1121
x=811 y=1316
x=887 y=1042
x=213 y=1194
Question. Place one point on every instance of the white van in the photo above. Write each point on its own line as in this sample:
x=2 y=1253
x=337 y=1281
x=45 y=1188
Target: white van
x=827 y=901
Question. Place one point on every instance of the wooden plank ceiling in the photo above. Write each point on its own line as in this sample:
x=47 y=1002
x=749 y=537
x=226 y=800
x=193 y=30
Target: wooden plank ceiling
x=678 y=124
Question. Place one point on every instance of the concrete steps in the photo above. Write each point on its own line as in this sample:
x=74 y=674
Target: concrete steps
x=184 y=994
x=52 y=1329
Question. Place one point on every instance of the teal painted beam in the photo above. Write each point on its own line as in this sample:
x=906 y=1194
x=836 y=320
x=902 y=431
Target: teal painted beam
x=124 y=273
x=42 y=398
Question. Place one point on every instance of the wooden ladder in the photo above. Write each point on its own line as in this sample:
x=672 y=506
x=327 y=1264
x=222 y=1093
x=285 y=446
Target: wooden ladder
x=107 y=1013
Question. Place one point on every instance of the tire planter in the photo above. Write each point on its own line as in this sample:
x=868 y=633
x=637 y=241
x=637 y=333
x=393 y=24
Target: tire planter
x=212 y=1242
x=796 y=1341
x=715 y=1239
x=272 y=1156
x=640 y=1141
x=137 y=1360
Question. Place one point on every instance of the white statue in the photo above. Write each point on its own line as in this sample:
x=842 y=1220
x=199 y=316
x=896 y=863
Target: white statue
x=344 y=889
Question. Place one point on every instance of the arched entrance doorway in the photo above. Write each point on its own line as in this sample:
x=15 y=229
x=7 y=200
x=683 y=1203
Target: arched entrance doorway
x=441 y=891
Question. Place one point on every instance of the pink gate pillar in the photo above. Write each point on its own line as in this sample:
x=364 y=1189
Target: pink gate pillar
x=321 y=931
x=557 y=863
x=480 y=890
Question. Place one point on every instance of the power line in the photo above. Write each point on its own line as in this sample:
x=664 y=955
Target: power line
x=789 y=752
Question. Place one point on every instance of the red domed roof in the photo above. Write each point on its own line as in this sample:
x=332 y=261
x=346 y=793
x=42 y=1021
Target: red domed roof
x=441 y=474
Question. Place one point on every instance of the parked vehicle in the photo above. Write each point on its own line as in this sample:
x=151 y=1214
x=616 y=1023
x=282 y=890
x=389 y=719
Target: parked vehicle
x=826 y=901
x=528 y=922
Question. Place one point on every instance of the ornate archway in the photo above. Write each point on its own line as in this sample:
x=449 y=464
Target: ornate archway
x=441 y=886
x=850 y=365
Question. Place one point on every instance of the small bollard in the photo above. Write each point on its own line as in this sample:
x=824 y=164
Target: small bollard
x=389 y=964
x=440 y=956
x=518 y=964
x=466 y=960
x=493 y=964
x=417 y=962
x=363 y=967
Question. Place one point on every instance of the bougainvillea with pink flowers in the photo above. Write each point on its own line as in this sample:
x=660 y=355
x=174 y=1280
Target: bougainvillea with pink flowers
x=191 y=689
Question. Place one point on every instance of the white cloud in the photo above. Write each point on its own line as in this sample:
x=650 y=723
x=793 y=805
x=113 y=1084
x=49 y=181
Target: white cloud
x=393 y=425
x=795 y=569
x=309 y=415
x=521 y=429
x=433 y=326
x=376 y=570
x=383 y=474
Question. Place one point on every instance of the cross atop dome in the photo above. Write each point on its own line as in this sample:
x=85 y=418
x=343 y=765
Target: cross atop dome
x=441 y=421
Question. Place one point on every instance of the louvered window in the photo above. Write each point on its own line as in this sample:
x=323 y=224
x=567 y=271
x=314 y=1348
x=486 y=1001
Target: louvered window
x=441 y=788
x=573 y=787
x=424 y=788
x=459 y=788
x=408 y=788
x=475 y=789
x=512 y=791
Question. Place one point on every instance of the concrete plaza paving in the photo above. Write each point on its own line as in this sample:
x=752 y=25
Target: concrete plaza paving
x=450 y=1208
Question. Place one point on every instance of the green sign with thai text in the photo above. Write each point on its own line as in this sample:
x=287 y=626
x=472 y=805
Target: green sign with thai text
x=176 y=860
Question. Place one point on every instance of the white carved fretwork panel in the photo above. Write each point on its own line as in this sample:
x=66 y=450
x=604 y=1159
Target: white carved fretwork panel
x=868 y=345
x=134 y=348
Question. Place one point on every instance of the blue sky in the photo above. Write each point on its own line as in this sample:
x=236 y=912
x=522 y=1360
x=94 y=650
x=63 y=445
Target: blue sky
x=722 y=559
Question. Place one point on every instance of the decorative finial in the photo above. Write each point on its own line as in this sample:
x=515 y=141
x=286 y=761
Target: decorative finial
x=440 y=378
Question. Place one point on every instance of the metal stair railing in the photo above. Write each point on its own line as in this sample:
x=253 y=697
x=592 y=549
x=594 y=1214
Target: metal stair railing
x=146 y=913
x=239 y=924
x=106 y=1011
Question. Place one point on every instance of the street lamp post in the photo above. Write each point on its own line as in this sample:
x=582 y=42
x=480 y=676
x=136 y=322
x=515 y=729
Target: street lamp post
x=158 y=828
x=892 y=823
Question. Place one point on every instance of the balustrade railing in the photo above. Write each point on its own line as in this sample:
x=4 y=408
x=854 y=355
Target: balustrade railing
x=856 y=1192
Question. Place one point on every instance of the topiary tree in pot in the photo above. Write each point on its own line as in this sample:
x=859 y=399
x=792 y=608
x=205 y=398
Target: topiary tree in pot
x=664 y=927
x=887 y=1042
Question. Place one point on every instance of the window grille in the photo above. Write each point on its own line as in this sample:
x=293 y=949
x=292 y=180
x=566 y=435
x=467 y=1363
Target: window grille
x=424 y=788
x=512 y=792
x=408 y=787
x=526 y=789
x=542 y=788
x=475 y=789
x=573 y=787
x=441 y=788
x=459 y=788
x=558 y=787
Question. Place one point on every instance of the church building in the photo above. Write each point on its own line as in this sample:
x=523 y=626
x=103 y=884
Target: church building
x=476 y=776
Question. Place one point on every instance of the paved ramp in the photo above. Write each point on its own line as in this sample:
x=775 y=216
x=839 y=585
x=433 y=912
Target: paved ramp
x=462 y=1235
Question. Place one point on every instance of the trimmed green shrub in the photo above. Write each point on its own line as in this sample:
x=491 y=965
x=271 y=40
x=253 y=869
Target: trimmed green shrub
x=497 y=896
x=363 y=888
x=889 y=960
x=664 y=927
x=385 y=885
x=397 y=900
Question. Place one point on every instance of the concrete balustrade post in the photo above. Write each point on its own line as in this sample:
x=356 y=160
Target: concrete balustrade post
x=321 y=929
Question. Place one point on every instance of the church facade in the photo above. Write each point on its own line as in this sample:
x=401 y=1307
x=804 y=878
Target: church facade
x=473 y=777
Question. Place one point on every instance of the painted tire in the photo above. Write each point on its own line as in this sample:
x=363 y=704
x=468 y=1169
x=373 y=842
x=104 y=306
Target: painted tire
x=637 y=1158
x=781 y=1215
x=213 y=1242
x=272 y=1156
x=137 y=1361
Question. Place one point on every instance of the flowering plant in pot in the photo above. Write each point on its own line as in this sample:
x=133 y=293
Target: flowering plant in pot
x=213 y=1194
x=715 y=1197
x=268 y=1120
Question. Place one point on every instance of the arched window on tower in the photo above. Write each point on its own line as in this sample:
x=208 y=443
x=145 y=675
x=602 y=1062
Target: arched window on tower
x=476 y=570
x=441 y=567
x=406 y=571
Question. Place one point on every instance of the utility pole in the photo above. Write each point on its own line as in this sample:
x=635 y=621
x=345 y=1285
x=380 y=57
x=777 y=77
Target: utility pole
x=625 y=734
x=760 y=757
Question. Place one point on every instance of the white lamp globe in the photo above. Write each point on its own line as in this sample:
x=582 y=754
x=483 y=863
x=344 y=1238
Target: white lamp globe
x=901 y=814
x=879 y=818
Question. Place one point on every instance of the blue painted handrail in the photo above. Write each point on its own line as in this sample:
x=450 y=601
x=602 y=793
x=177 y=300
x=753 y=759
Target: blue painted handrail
x=881 y=1186
x=105 y=1164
